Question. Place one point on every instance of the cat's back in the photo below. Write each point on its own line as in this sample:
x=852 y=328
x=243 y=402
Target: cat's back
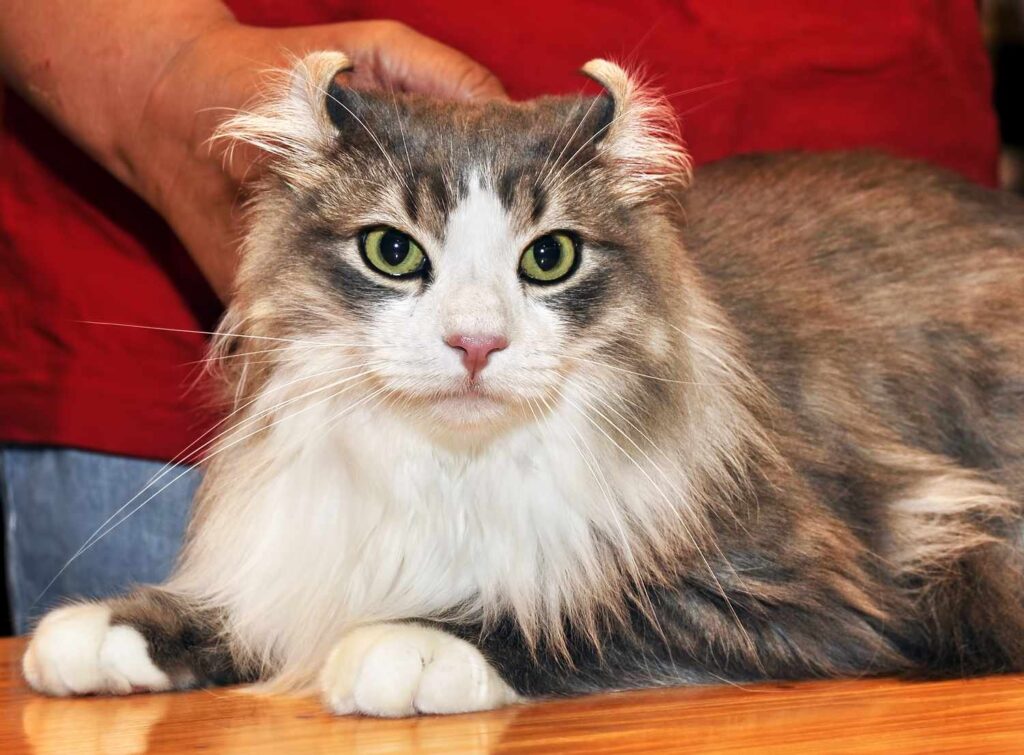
x=856 y=240
x=879 y=284
x=854 y=223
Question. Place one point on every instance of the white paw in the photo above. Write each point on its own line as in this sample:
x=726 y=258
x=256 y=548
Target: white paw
x=403 y=669
x=75 y=651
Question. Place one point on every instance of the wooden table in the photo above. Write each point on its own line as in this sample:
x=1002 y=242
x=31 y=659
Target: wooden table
x=982 y=715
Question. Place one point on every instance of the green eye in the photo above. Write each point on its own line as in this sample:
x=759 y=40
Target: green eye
x=549 y=259
x=391 y=252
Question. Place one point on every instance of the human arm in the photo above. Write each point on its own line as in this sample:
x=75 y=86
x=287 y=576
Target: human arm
x=141 y=86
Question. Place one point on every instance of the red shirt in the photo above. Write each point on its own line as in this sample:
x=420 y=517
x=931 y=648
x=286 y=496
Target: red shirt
x=911 y=78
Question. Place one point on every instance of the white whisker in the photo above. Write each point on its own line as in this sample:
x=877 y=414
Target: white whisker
x=214 y=333
x=189 y=450
x=554 y=143
x=220 y=450
x=372 y=135
x=568 y=142
x=632 y=372
x=674 y=506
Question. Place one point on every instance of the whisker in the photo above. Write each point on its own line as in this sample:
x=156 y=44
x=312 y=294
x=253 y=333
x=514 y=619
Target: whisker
x=221 y=357
x=672 y=462
x=568 y=141
x=729 y=368
x=589 y=140
x=701 y=106
x=630 y=372
x=215 y=333
x=700 y=88
x=602 y=482
x=372 y=135
x=401 y=128
x=664 y=496
x=173 y=463
x=563 y=180
x=554 y=143
x=220 y=450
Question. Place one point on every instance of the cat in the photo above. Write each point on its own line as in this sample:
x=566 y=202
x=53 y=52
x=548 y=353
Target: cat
x=522 y=413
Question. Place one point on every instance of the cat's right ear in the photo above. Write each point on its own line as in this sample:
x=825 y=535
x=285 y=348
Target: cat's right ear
x=302 y=113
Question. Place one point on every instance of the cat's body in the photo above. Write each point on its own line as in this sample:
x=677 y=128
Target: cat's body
x=882 y=305
x=771 y=426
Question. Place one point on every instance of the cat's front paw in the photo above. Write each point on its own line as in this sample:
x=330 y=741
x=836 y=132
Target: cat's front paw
x=404 y=669
x=76 y=651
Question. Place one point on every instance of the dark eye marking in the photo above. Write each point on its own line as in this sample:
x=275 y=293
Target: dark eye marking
x=586 y=301
x=355 y=287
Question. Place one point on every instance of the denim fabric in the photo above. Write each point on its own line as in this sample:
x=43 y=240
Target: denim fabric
x=53 y=501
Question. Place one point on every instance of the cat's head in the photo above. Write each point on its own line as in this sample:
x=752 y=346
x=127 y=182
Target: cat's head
x=470 y=264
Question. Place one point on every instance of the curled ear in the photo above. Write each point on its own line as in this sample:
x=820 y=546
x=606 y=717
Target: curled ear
x=638 y=130
x=317 y=88
x=300 y=111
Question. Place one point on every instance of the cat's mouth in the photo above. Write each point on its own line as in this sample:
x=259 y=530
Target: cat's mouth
x=465 y=406
x=470 y=393
x=471 y=402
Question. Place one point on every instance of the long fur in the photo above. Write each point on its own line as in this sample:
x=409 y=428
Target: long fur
x=770 y=428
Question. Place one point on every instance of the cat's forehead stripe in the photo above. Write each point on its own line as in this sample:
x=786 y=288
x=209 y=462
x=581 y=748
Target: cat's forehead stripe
x=429 y=195
x=521 y=191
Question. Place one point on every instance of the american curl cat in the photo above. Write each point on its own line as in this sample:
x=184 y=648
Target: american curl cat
x=520 y=415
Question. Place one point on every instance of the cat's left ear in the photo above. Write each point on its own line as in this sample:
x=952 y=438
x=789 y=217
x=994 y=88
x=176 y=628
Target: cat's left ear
x=306 y=109
x=637 y=129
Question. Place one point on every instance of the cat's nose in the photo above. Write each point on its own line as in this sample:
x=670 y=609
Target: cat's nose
x=476 y=349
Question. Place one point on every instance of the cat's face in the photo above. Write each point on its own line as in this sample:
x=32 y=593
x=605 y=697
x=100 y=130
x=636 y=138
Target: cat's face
x=480 y=260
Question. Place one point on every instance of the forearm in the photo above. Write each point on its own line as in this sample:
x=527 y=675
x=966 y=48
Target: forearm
x=90 y=66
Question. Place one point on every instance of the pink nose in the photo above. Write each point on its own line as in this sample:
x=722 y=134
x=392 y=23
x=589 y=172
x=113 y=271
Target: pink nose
x=476 y=350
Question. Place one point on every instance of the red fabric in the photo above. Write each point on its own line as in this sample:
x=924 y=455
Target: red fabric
x=911 y=78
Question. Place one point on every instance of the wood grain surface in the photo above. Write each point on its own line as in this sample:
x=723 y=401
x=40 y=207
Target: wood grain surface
x=979 y=715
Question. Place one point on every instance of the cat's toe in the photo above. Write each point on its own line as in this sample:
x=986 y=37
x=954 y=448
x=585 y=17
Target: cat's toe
x=76 y=651
x=459 y=679
x=397 y=670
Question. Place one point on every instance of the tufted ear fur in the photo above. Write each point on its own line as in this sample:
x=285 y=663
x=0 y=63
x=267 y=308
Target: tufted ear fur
x=639 y=131
x=301 y=112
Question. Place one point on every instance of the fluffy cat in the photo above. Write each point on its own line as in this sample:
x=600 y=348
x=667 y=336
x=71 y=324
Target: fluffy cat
x=518 y=415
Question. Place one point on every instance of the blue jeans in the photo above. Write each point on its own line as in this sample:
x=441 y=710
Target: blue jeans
x=54 y=499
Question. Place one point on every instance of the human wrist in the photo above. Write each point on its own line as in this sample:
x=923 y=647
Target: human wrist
x=177 y=167
x=174 y=113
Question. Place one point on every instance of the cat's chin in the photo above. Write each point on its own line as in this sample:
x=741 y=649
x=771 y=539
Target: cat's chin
x=473 y=410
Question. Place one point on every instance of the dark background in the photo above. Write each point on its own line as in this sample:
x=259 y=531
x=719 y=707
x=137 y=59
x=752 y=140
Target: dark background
x=1003 y=23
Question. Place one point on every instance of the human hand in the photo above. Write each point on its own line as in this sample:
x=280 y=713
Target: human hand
x=195 y=184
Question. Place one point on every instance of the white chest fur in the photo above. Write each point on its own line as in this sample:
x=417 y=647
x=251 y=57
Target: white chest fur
x=370 y=521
